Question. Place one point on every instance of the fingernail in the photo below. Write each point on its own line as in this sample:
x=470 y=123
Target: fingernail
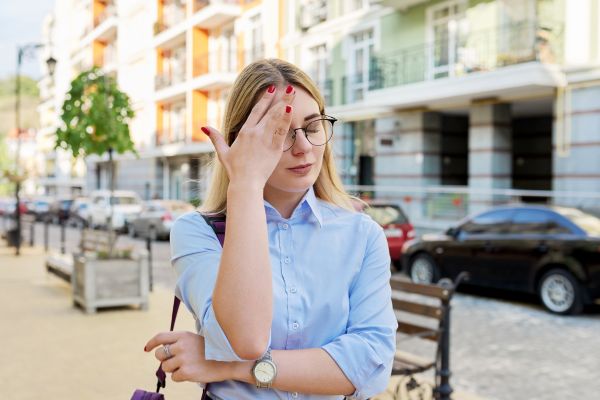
x=289 y=89
x=205 y=130
x=288 y=109
x=271 y=89
x=145 y=348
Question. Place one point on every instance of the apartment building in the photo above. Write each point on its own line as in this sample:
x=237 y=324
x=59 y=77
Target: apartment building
x=485 y=94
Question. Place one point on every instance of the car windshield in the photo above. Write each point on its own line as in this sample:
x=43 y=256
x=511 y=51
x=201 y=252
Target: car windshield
x=587 y=222
x=386 y=214
x=122 y=200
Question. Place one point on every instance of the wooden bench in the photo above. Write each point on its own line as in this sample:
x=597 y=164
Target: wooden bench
x=93 y=241
x=423 y=313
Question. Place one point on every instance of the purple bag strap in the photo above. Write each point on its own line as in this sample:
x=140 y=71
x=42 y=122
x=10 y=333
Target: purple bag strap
x=217 y=223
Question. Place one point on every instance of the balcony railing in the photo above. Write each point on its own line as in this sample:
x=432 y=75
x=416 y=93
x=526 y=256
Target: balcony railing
x=172 y=15
x=109 y=11
x=479 y=51
x=216 y=61
x=168 y=79
x=200 y=4
x=176 y=136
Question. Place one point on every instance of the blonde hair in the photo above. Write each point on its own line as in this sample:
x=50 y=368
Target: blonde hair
x=247 y=89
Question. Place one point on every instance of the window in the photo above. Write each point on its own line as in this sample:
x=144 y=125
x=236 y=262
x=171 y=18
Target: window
x=448 y=30
x=491 y=222
x=537 y=222
x=256 y=41
x=319 y=70
x=228 y=51
x=363 y=49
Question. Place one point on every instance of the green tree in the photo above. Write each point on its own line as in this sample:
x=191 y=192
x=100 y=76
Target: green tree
x=95 y=116
x=95 y=120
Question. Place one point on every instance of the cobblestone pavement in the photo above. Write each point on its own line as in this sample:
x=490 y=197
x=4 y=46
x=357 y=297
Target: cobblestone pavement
x=505 y=348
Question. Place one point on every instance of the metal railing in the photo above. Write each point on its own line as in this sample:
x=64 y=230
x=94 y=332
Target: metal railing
x=164 y=80
x=109 y=11
x=216 y=61
x=478 y=51
x=442 y=206
x=171 y=16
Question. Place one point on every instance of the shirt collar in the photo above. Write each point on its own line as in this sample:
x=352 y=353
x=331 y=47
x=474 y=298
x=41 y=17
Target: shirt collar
x=308 y=205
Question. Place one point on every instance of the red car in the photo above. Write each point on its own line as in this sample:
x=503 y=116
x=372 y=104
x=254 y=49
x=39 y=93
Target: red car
x=396 y=226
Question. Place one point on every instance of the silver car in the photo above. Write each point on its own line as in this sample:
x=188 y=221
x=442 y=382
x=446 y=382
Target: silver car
x=157 y=217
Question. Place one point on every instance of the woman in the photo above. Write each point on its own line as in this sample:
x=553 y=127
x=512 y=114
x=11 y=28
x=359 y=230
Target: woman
x=297 y=302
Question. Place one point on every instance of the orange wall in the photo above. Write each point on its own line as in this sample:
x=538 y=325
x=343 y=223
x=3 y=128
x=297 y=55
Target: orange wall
x=98 y=53
x=200 y=51
x=199 y=111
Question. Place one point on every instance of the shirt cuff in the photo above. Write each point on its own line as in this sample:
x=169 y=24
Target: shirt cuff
x=359 y=366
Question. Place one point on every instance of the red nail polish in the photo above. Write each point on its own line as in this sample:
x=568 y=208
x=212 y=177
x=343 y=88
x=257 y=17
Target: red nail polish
x=205 y=130
x=288 y=109
x=145 y=348
x=271 y=89
x=289 y=89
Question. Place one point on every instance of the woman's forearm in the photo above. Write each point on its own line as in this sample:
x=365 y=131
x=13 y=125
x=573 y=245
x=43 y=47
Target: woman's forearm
x=305 y=371
x=242 y=298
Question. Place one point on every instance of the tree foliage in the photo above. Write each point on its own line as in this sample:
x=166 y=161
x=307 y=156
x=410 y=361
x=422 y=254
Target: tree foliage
x=95 y=116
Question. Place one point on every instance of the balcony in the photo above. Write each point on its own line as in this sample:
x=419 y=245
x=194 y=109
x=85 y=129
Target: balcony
x=109 y=11
x=215 y=70
x=481 y=51
x=173 y=14
x=211 y=14
x=401 y=5
x=512 y=61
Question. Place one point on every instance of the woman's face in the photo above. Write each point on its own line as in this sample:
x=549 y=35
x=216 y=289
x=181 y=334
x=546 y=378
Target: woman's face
x=287 y=177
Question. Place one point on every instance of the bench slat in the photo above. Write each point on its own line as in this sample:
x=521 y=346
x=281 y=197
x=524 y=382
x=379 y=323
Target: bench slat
x=422 y=332
x=426 y=290
x=417 y=308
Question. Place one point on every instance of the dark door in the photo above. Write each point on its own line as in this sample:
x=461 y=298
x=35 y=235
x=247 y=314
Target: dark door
x=474 y=248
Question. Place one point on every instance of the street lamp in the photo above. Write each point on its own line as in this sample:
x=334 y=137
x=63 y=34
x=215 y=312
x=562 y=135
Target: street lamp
x=23 y=52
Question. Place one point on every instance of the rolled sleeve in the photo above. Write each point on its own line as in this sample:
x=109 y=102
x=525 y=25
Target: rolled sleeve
x=195 y=255
x=365 y=352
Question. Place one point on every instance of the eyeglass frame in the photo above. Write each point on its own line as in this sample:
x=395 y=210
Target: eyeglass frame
x=324 y=117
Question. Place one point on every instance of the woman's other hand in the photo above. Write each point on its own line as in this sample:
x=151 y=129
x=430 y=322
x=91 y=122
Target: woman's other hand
x=259 y=144
x=186 y=361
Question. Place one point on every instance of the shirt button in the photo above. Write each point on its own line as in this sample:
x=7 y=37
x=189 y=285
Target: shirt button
x=295 y=325
x=286 y=260
x=293 y=290
x=295 y=394
x=285 y=226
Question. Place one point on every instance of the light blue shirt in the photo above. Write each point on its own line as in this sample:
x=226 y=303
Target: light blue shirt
x=331 y=290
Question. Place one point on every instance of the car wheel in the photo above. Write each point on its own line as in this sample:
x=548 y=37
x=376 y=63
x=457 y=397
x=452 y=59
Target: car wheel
x=560 y=292
x=423 y=269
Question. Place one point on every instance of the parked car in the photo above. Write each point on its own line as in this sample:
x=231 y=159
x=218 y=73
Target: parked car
x=80 y=211
x=553 y=252
x=59 y=210
x=39 y=207
x=125 y=204
x=157 y=217
x=395 y=225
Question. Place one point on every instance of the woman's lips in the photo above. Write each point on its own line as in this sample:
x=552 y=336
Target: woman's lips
x=301 y=170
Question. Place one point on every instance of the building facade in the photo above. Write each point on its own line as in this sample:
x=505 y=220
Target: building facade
x=480 y=94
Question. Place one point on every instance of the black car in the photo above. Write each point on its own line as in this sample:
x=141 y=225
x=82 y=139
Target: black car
x=553 y=252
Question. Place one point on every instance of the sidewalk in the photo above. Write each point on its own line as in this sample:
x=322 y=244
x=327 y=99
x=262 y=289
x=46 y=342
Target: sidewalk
x=52 y=350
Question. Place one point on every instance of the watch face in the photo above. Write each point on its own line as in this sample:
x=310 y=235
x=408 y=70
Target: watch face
x=264 y=372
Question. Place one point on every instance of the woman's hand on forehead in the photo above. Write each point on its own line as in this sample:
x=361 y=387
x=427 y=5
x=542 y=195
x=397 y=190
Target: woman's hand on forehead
x=259 y=144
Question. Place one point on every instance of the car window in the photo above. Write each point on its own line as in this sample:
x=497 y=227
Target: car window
x=385 y=215
x=491 y=222
x=529 y=221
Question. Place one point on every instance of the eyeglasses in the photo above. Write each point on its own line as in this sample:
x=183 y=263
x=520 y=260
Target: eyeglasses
x=317 y=132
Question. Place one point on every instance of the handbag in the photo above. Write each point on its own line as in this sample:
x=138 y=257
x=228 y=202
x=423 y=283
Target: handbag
x=217 y=223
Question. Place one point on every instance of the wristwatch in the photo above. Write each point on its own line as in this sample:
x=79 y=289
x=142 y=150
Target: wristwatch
x=264 y=371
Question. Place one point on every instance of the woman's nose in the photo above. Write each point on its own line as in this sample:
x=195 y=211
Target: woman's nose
x=302 y=144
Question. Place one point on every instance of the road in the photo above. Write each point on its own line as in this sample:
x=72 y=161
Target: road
x=503 y=346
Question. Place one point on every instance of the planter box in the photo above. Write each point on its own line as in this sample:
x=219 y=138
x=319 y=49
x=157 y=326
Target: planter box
x=110 y=282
